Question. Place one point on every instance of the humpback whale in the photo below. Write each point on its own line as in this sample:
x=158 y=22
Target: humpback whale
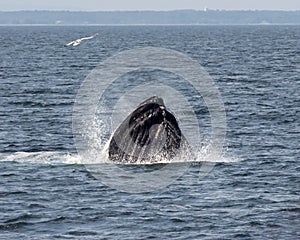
x=150 y=134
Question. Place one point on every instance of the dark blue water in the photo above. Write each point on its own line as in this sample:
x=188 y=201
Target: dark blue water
x=45 y=193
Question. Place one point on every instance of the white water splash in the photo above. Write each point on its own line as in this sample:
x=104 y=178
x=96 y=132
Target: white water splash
x=57 y=158
x=42 y=158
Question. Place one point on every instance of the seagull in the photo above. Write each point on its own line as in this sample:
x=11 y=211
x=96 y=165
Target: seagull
x=78 y=41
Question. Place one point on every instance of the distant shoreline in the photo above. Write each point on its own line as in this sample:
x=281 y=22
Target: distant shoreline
x=154 y=25
x=174 y=17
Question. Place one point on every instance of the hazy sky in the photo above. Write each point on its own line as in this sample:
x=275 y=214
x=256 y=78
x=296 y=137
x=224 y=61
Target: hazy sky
x=98 y=5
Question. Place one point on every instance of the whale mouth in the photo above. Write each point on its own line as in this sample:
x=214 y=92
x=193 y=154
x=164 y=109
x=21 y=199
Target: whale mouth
x=148 y=133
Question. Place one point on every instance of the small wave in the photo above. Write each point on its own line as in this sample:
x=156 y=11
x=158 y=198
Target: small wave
x=81 y=233
x=291 y=209
x=12 y=226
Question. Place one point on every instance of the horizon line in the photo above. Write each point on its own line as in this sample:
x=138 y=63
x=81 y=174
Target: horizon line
x=143 y=24
x=154 y=10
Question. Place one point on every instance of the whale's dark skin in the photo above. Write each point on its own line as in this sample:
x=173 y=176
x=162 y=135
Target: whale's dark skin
x=149 y=134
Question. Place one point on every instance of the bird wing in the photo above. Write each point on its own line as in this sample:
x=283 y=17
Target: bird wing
x=86 y=38
x=70 y=43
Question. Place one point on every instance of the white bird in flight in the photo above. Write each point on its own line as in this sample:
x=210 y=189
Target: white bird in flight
x=78 y=41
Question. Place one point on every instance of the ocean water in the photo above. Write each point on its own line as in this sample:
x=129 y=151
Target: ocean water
x=251 y=193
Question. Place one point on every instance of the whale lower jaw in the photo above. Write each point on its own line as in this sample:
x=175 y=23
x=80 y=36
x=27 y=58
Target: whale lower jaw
x=142 y=156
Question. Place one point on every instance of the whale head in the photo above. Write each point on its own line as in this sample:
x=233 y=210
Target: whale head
x=149 y=134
